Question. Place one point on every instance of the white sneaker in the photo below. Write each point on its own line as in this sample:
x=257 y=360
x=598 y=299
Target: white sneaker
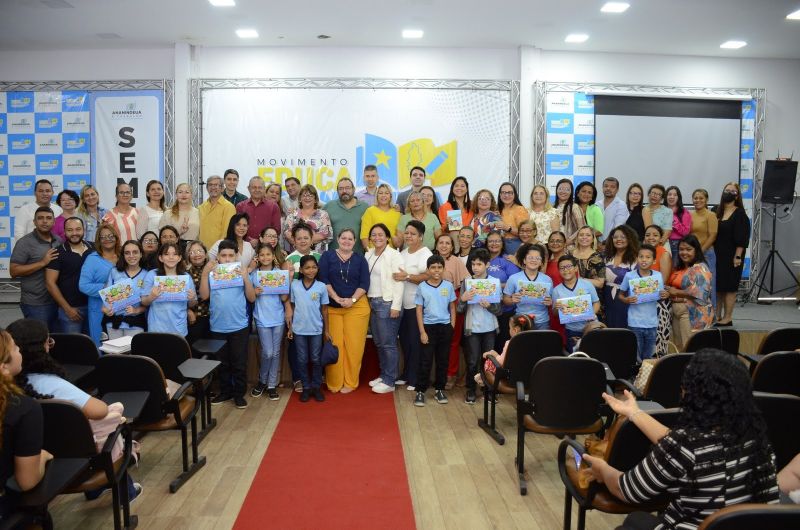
x=410 y=388
x=399 y=382
x=375 y=381
x=382 y=388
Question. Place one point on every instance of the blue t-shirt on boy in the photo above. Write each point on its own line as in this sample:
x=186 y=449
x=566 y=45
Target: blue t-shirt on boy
x=641 y=315
x=582 y=287
x=435 y=301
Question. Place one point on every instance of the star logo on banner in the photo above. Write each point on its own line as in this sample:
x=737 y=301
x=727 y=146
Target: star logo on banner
x=382 y=159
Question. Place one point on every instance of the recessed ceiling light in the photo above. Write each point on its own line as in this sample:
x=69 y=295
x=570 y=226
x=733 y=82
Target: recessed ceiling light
x=323 y=37
x=247 y=33
x=413 y=33
x=615 y=7
x=733 y=44
x=793 y=16
x=576 y=38
x=222 y=3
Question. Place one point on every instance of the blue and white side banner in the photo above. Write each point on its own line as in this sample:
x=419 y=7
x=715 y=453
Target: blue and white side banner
x=127 y=141
x=570 y=138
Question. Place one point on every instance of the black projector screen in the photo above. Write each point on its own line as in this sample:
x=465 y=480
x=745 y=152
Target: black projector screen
x=688 y=143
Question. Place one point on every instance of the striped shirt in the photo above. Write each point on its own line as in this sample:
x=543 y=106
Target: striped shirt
x=692 y=470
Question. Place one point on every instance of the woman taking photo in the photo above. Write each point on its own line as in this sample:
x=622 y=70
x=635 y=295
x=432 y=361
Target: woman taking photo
x=312 y=216
x=346 y=275
x=621 y=256
x=382 y=212
x=237 y=232
x=570 y=215
x=458 y=199
x=690 y=291
x=704 y=227
x=585 y=195
x=183 y=215
x=90 y=211
x=385 y=297
x=543 y=215
x=415 y=210
x=660 y=214
x=454 y=272
x=95 y=272
x=414 y=271
x=123 y=217
x=638 y=217
x=502 y=269
x=68 y=201
x=150 y=214
x=484 y=216
x=733 y=236
x=513 y=213
x=681 y=219
x=717 y=455
x=662 y=264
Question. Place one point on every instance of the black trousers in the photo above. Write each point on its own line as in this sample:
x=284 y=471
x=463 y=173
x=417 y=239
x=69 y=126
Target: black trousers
x=639 y=521
x=438 y=348
x=477 y=345
x=233 y=370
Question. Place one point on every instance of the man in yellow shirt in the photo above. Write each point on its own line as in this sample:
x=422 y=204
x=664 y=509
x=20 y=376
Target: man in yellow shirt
x=215 y=213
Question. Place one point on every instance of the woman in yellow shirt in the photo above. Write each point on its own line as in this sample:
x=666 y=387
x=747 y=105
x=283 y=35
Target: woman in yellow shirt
x=382 y=212
x=704 y=227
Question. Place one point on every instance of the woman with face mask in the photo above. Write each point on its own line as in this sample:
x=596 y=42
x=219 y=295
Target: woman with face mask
x=733 y=236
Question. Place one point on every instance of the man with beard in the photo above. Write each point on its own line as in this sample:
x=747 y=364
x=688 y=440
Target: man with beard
x=615 y=211
x=346 y=213
x=62 y=276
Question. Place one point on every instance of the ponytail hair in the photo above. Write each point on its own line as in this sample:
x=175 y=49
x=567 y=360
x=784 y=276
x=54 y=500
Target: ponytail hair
x=522 y=322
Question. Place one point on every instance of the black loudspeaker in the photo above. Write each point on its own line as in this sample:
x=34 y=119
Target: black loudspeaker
x=779 y=180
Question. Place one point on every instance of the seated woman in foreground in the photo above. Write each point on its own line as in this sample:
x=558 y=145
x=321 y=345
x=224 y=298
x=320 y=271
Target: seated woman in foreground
x=718 y=455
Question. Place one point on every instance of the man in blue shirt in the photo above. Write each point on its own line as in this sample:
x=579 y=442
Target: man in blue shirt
x=615 y=211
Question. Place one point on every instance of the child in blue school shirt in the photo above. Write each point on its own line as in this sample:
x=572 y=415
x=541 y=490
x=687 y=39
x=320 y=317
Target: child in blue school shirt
x=133 y=319
x=643 y=317
x=532 y=259
x=572 y=285
x=309 y=324
x=229 y=322
x=436 y=317
x=168 y=316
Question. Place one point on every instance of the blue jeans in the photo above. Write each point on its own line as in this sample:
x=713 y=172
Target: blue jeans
x=309 y=347
x=645 y=341
x=410 y=342
x=384 y=335
x=47 y=313
x=711 y=261
x=270 y=341
x=65 y=325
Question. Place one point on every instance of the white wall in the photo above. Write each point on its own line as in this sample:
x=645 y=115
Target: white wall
x=86 y=65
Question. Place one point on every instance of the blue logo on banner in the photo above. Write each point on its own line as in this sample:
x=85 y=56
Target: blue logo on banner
x=583 y=144
x=75 y=142
x=4 y=206
x=46 y=122
x=584 y=103
x=3 y=164
x=558 y=164
x=3 y=123
x=5 y=247
x=560 y=123
x=746 y=185
x=48 y=164
x=746 y=268
x=748 y=149
x=20 y=102
x=74 y=101
x=21 y=144
x=76 y=182
x=749 y=110
x=21 y=185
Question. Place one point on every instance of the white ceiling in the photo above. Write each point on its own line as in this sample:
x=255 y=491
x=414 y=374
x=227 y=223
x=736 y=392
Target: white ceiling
x=680 y=27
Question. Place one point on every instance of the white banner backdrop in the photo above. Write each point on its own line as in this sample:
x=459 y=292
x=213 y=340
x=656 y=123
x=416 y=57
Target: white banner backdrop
x=127 y=141
x=322 y=135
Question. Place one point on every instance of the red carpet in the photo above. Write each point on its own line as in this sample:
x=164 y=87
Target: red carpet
x=337 y=464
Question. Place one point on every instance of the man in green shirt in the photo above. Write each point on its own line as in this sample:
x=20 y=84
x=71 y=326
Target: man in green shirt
x=346 y=213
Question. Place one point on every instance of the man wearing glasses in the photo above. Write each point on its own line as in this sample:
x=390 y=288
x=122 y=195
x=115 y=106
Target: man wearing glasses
x=215 y=213
x=32 y=253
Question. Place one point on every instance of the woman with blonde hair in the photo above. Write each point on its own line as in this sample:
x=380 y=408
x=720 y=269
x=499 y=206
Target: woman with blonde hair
x=382 y=212
x=484 y=216
x=183 y=215
x=543 y=215
x=90 y=211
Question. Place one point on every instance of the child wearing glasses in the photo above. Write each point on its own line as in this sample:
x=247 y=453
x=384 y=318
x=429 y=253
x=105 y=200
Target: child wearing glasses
x=570 y=287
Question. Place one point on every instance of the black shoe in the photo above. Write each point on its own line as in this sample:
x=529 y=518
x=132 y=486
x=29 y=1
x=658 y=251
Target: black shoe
x=419 y=401
x=221 y=398
x=470 y=399
x=318 y=394
x=272 y=394
x=304 y=395
x=240 y=402
x=441 y=398
x=258 y=390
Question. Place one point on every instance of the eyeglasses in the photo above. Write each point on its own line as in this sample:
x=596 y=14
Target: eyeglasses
x=307 y=196
x=566 y=267
x=533 y=258
x=656 y=194
x=150 y=241
x=525 y=230
x=108 y=238
x=507 y=192
x=197 y=252
x=271 y=236
x=556 y=242
x=124 y=193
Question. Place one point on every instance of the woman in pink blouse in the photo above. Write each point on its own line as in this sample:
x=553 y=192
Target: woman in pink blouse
x=681 y=220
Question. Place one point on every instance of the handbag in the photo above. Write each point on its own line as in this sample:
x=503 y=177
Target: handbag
x=330 y=353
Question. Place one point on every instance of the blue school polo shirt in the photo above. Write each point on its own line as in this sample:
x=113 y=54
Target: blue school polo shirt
x=116 y=276
x=308 y=302
x=164 y=316
x=435 y=301
x=268 y=310
x=540 y=312
x=641 y=315
x=581 y=287
x=227 y=310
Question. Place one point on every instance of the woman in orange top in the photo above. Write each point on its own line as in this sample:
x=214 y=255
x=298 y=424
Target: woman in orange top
x=513 y=213
x=457 y=199
x=690 y=291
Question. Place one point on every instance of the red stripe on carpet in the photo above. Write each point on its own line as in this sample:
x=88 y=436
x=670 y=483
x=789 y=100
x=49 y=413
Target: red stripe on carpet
x=337 y=464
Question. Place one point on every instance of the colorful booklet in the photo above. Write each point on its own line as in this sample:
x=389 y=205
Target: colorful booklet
x=454 y=220
x=575 y=309
x=120 y=295
x=273 y=282
x=173 y=288
x=226 y=275
x=533 y=292
x=645 y=290
x=486 y=289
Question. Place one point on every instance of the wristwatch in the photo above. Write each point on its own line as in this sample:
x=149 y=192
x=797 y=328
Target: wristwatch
x=353 y=300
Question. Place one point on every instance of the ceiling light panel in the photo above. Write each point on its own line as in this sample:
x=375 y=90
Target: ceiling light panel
x=576 y=38
x=246 y=33
x=793 y=16
x=222 y=3
x=733 y=44
x=615 y=7
x=413 y=33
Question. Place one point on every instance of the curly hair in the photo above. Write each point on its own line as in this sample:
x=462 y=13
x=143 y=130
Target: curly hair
x=8 y=388
x=631 y=251
x=718 y=398
x=31 y=336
